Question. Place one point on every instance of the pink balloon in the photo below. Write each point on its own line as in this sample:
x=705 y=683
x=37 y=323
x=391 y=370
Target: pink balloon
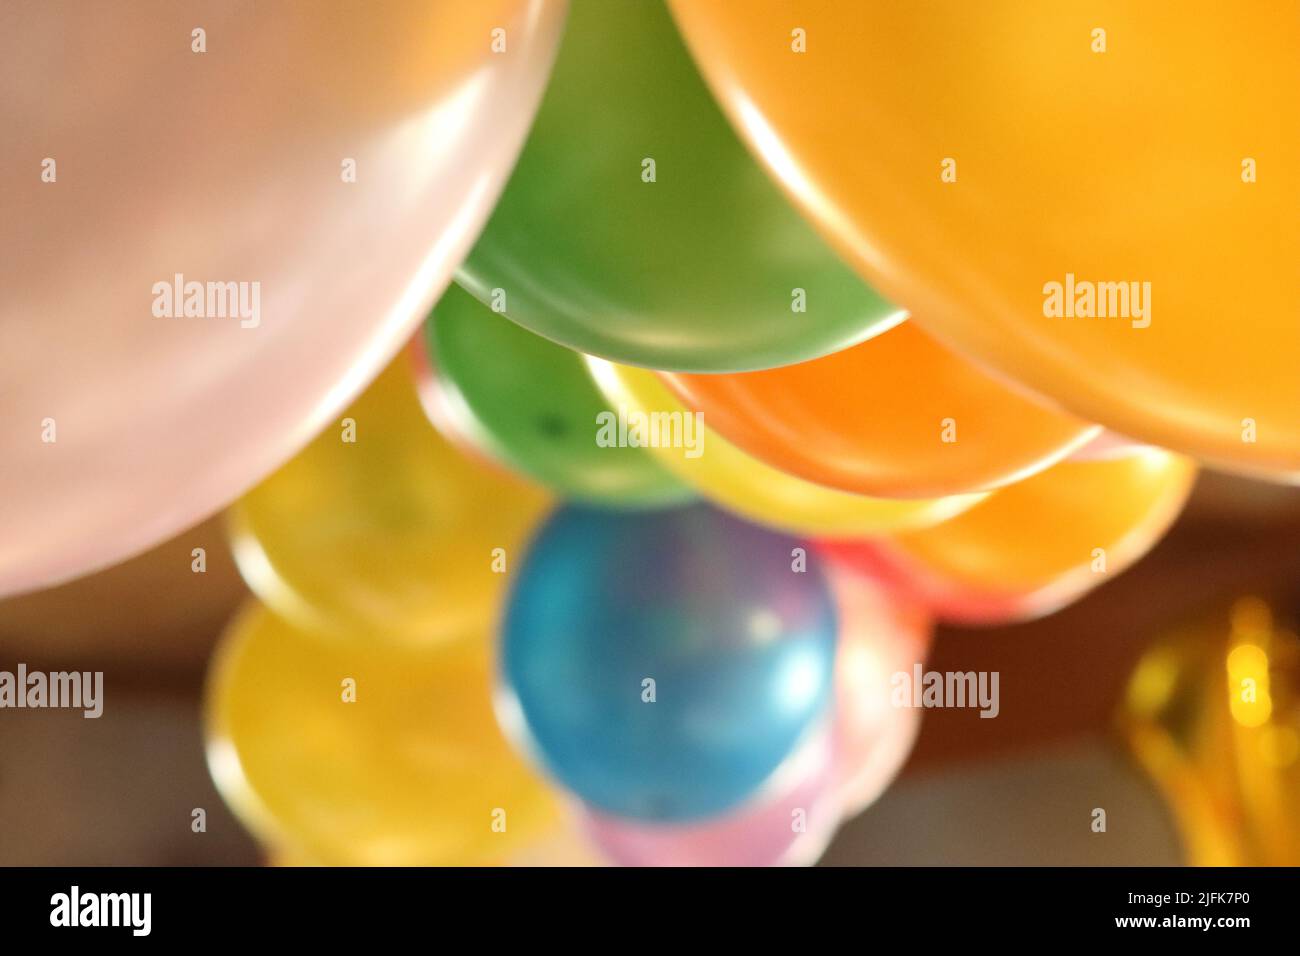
x=318 y=168
x=789 y=825
x=881 y=634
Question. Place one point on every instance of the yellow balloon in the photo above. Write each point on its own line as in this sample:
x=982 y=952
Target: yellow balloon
x=413 y=770
x=1212 y=713
x=381 y=525
x=1098 y=199
x=738 y=482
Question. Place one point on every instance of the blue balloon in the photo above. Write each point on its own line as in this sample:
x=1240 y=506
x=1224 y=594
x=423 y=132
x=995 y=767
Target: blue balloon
x=740 y=647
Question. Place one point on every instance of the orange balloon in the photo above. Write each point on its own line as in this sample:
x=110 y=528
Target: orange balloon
x=740 y=483
x=1036 y=546
x=899 y=416
x=1098 y=199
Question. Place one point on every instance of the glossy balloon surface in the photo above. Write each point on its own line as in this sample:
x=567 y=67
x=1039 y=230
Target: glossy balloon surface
x=412 y=771
x=1212 y=713
x=1096 y=199
x=382 y=526
x=1037 y=545
x=310 y=178
x=637 y=227
x=791 y=827
x=882 y=633
x=530 y=404
x=899 y=416
x=740 y=483
x=663 y=665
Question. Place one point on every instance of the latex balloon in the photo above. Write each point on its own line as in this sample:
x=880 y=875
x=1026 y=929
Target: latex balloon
x=219 y=224
x=953 y=601
x=742 y=484
x=1082 y=199
x=1108 y=444
x=381 y=526
x=792 y=827
x=636 y=226
x=530 y=404
x=663 y=665
x=1212 y=713
x=899 y=416
x=882 y=633
x=1029 y=549
x=357 y=753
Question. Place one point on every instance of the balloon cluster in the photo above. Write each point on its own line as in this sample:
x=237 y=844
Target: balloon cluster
x=774 y=476
x=705 y=690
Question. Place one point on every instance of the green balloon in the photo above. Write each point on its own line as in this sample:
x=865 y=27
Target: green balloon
x=531 y=405
x=706 y=268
